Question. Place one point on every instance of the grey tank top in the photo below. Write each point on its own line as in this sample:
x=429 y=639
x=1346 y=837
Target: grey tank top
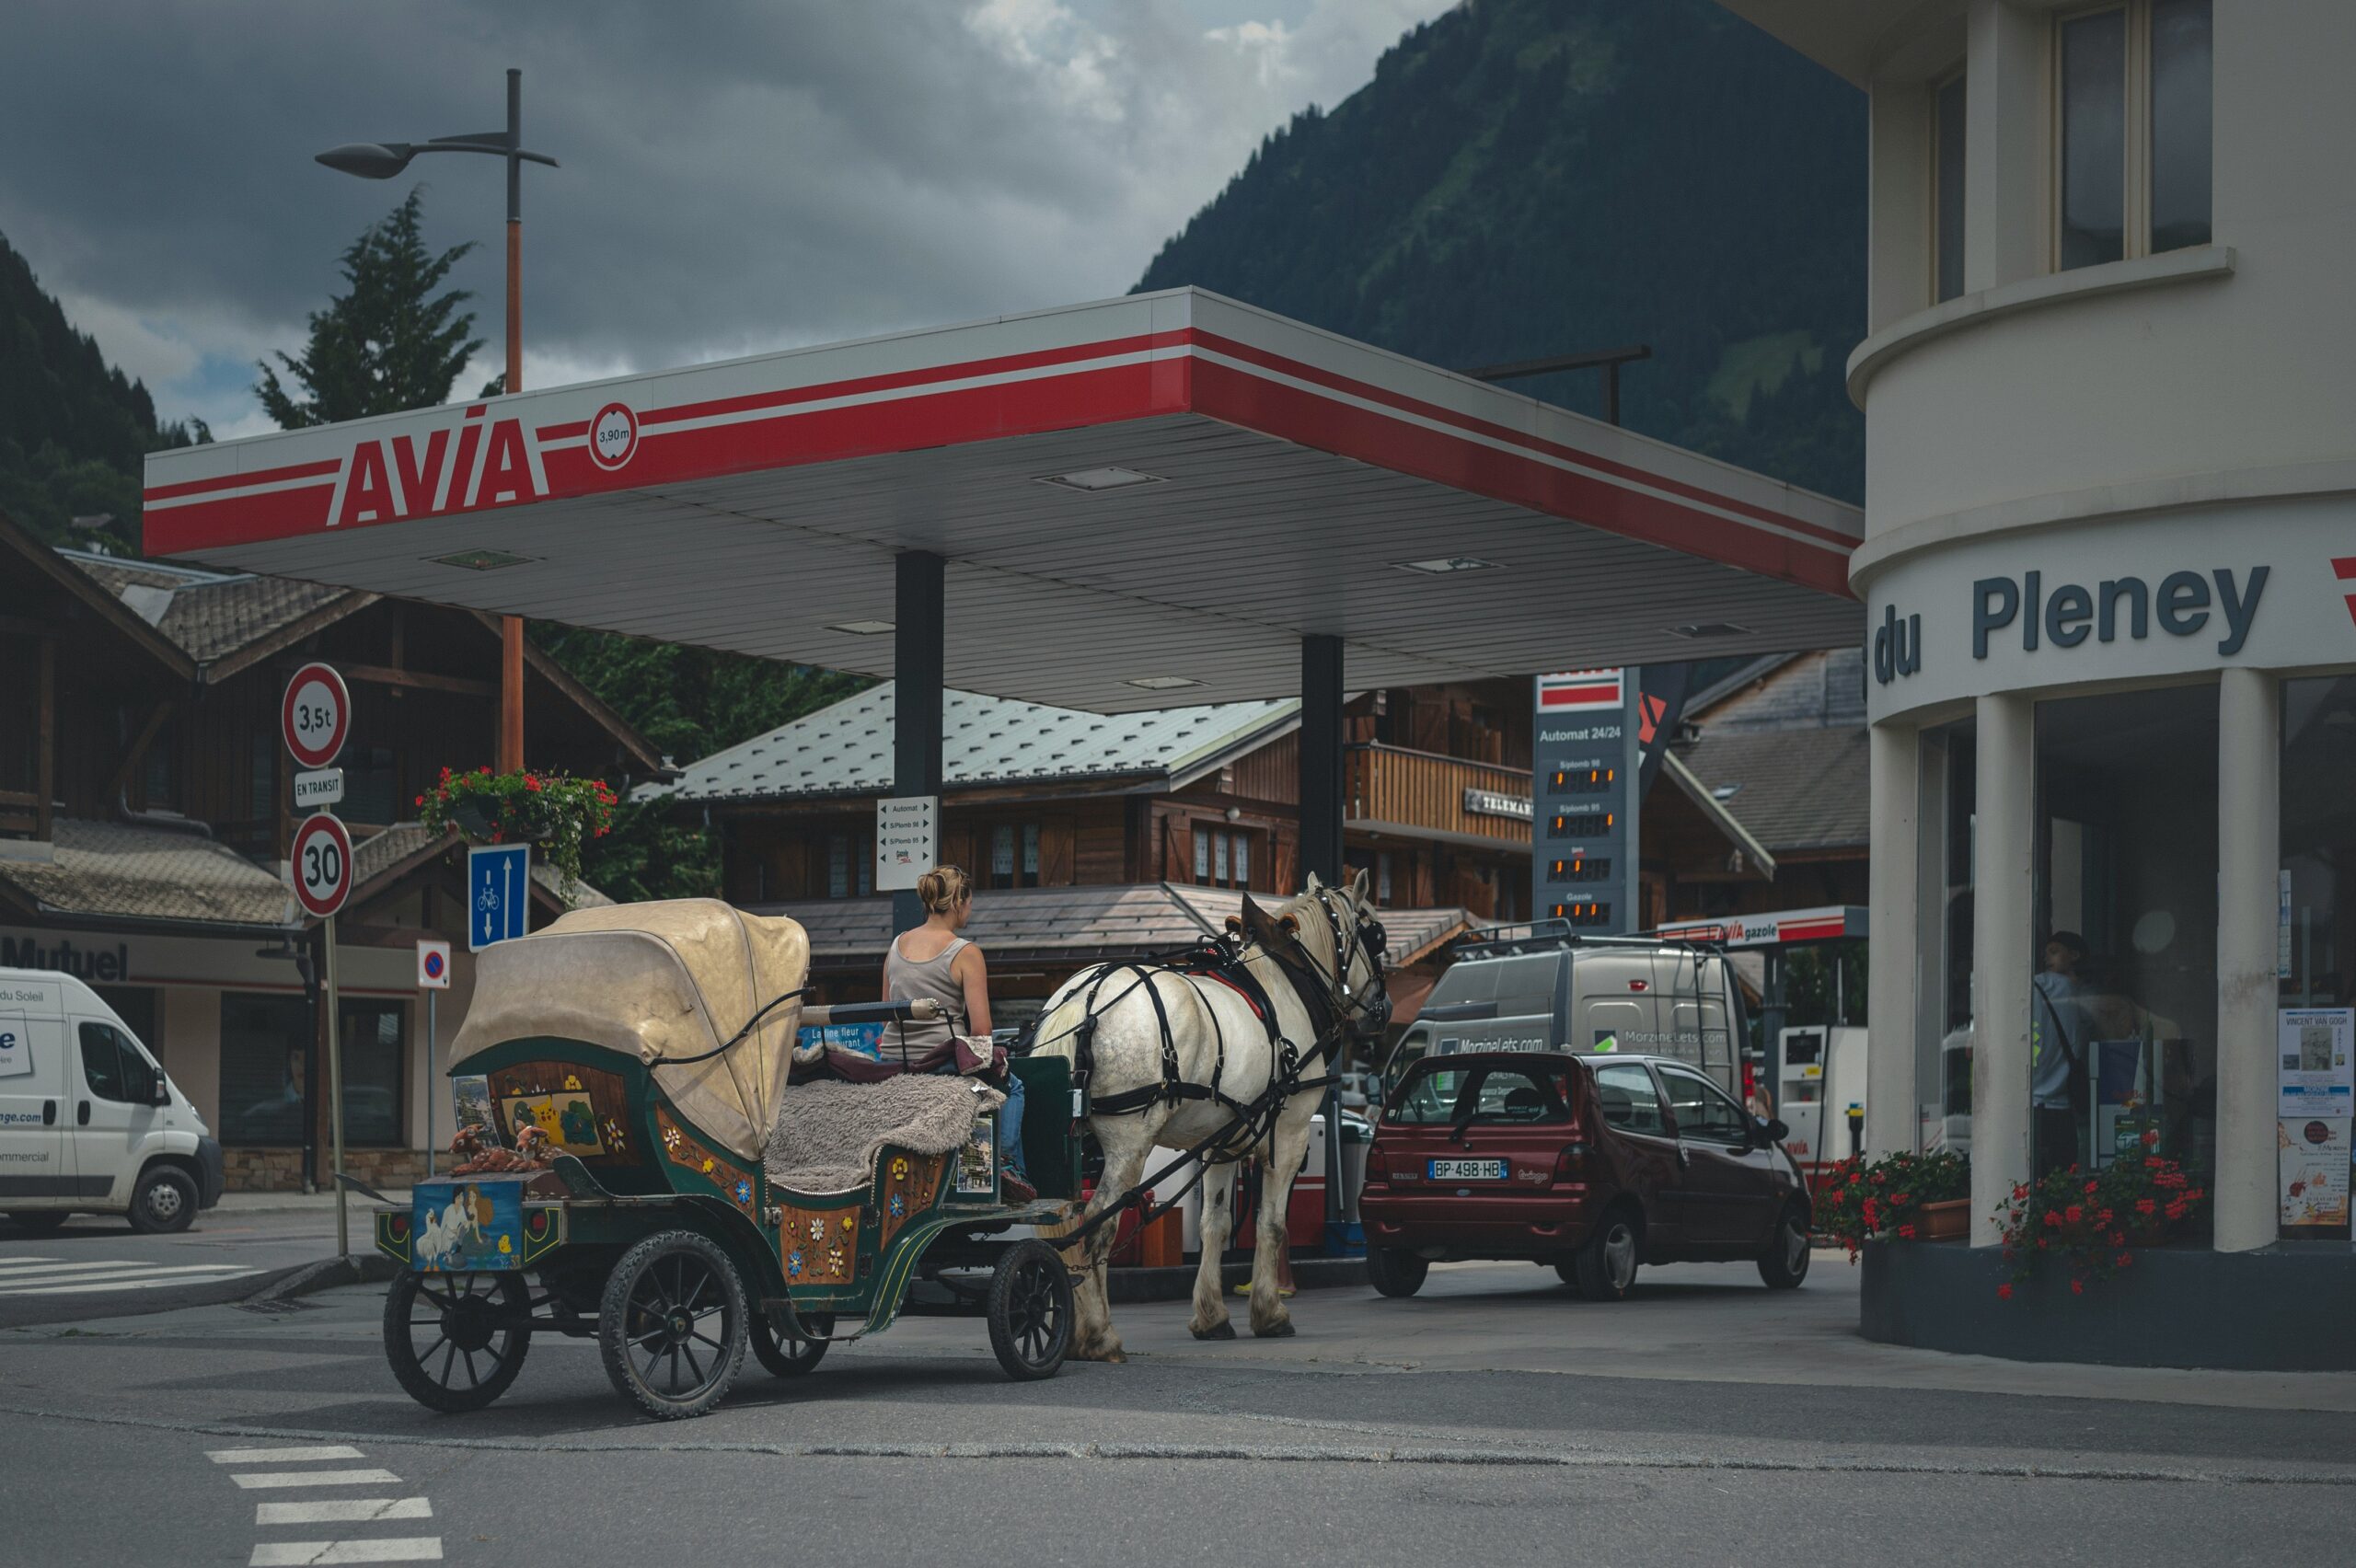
x=908 y=980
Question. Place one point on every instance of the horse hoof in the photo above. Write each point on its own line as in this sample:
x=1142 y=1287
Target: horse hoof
x=1223 y=1330
x=1276 y=1331
x=1091 y=1353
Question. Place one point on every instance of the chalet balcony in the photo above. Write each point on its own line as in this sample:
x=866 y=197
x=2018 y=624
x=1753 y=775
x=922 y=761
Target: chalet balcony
x=1446 y=799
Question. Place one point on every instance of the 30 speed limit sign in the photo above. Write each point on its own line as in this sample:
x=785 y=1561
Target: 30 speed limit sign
x=322 y=864
x=315 y=716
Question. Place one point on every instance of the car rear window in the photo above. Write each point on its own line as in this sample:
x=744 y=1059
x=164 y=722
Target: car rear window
x=1484 y=1093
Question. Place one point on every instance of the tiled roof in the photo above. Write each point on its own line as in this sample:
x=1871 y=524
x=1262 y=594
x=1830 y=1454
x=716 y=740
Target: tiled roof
x=208 y=615
x=112 y=870
x=1077 y=923
x=1801 y=789
x=847 y=748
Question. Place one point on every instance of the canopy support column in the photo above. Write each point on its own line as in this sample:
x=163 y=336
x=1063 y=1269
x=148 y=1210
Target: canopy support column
x=919 y=647
x=1321 y=853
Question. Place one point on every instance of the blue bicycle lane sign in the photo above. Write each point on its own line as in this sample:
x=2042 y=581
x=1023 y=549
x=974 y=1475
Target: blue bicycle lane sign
x=499 y=895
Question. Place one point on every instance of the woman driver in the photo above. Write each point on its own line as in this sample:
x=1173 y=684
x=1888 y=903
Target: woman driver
x=933 y=960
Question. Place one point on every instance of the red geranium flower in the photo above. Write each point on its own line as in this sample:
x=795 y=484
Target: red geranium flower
x=2077 y=1287
x=2004 y=1293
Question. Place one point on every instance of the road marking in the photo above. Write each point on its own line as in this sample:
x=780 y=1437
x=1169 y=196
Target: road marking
x=21 y=1262
x=140 y=1279
x=88 y=1265
x=342 y=1511
x=316 y=1478
x=282 y=1455
x=297 y=1553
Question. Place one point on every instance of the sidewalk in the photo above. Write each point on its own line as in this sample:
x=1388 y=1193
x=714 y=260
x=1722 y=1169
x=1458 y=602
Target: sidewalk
x=292 y=1203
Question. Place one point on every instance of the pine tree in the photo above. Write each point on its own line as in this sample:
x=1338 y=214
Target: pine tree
x=388 y=343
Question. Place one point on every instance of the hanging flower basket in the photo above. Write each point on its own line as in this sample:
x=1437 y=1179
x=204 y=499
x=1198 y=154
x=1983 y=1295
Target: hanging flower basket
x=557 y=811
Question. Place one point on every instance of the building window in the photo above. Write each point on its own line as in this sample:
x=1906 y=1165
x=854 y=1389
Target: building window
x=1947 y=188
x=1949 y=772
x=1222 y=856
x=1014 y=855
x=2123 y=1007
x=1383 y=876
x=263 y=1044
x=2134 y=130
x=839 y=865
x=372 y=1072
x=2316 y=942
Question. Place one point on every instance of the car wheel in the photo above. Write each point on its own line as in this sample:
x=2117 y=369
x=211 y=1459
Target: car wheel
x=39 y=1222
x=1568 y=1271
x=1393 y=1271
x=165 y=1201
x=1606 y=1266
x=1784 y=1264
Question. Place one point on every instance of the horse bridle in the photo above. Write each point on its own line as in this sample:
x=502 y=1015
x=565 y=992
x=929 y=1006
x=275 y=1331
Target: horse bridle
x=1368 y=938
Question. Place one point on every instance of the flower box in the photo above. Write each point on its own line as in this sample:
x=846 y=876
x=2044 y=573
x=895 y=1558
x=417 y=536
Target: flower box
x=1949 y=1221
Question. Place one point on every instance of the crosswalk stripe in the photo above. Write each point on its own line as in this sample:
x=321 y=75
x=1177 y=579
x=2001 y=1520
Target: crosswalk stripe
x=296 y=1553
x=259 y=1479
x=342 y=1511
x=23 y=1262
x=151 y=1280
x=86 y=1265
x=290 y=1456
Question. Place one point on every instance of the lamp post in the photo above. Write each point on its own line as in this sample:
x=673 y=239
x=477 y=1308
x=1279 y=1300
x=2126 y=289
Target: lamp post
x=383 y=160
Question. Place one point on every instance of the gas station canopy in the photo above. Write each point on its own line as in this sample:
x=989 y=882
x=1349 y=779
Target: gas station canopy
x=1143 y=501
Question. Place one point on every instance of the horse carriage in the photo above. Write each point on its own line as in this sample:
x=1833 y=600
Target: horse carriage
x=652 y=1182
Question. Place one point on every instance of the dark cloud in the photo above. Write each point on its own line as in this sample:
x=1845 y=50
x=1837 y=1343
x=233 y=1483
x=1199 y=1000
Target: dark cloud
x=736 y=176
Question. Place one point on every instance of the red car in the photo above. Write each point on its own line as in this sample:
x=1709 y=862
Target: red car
x=1591 y=1163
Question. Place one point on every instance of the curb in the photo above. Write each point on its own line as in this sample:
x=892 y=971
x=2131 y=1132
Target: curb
x=1126 y=1286
x=306 y=1279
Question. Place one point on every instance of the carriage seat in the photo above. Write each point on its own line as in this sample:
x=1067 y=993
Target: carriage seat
x=830 y=1132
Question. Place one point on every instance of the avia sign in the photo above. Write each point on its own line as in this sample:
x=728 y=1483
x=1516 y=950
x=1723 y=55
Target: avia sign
x=456 y=468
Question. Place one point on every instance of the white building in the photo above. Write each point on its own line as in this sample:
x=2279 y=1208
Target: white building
x=2109 y=566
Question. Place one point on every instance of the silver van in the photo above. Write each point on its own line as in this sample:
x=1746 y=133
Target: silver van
x=1542 y=986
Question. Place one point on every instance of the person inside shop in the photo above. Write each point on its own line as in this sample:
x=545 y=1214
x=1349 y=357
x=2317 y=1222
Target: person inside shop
x=933 y=961
x=2057 y=1020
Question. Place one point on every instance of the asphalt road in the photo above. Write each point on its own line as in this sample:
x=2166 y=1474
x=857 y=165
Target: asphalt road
x=1491 y=1418
x=98 y=1266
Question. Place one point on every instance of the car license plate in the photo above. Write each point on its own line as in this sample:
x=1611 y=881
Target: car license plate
x=1466 y=1170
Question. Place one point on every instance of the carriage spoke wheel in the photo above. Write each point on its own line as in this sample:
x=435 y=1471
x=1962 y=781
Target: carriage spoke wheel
x=456 y=1340
x=672 y=1326
x=784 y=1353
x=1030 y=1310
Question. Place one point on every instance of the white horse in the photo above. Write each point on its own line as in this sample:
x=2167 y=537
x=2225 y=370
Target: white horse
x=1318 y=960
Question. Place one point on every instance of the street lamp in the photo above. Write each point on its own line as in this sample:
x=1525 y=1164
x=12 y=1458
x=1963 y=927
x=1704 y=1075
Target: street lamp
x=383 y=160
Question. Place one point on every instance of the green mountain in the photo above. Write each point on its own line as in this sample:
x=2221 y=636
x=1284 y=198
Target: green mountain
x=1531 y=177
x=72 y=429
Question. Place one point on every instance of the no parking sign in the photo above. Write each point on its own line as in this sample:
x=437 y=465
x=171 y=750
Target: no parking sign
x=432 y=966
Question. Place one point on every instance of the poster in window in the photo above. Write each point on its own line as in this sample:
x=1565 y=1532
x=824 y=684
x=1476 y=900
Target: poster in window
x=2311 y=1156
x=2313 y=1047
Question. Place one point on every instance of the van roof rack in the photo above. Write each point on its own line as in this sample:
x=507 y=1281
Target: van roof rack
x=1513 y=938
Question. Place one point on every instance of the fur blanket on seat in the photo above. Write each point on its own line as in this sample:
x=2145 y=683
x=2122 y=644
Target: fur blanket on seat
x=829 y=1132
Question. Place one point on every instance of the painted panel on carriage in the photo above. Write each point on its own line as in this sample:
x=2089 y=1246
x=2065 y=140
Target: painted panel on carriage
x=686 y=1151
x=910 y=1183
x=819 y=1246
x=978 y=1160
x=583 y=1111
x=467 y=1227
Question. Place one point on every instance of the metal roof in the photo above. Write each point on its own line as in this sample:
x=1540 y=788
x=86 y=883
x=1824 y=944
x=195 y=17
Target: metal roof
x=845 y=748
x=1267 y=481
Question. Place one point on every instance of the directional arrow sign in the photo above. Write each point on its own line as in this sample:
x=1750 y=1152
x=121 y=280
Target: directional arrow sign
x=498 y=893
x=907 y=843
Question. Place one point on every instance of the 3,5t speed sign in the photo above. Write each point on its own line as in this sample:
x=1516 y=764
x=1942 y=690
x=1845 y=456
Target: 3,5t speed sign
x=322 y=864
x=315 y=716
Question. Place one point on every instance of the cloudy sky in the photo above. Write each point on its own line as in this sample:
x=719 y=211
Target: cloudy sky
x=736 y=175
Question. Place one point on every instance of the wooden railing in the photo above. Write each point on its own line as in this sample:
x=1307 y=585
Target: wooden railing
x=1413 y=789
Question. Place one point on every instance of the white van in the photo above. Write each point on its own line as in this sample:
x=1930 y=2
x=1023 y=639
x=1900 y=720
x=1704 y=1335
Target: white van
x=88 y=1122
x=1542 y=986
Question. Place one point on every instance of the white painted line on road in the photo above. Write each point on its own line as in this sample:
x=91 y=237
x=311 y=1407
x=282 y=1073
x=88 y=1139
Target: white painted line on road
x=299 y=1553
x=148 y=1279
x=287 y=1456
x=88 y=1265
x=342 y=1511
x=316 y=1478
x=21 y=1262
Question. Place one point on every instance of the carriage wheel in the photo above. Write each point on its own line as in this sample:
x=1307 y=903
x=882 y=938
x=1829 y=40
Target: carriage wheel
x=456 y=1340
x=672 y=1326
x=787 y=1354
x=1030 y=1311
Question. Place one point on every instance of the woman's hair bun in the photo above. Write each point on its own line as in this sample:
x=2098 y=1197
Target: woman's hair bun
x=943 y=888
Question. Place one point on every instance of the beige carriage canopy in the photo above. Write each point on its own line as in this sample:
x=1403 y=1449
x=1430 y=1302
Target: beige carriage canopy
x=663 y=982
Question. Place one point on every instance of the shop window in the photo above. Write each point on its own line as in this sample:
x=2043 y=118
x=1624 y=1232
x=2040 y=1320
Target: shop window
x=2135 y=130
x=1947 y=188
x=373 y=1037
x=2124 y=1007
x=1943 y=1054
x=263 y=1044
x=1222 y=856
x=2316 y=942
